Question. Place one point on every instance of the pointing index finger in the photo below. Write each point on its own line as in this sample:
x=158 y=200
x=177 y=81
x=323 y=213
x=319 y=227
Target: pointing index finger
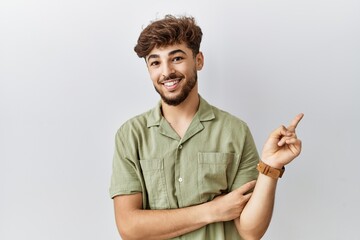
x=295 y=122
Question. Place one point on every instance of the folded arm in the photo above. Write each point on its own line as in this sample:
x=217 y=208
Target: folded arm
x=133 y=222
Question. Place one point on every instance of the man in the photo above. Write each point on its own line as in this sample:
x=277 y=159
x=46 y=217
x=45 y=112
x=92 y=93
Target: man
x=185 y=169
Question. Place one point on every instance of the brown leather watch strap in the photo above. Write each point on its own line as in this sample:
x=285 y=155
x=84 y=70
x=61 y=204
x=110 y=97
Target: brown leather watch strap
x=270 y=171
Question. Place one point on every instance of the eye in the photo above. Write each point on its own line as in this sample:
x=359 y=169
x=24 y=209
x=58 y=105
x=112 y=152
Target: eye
x=177 y=59
x=154 y=63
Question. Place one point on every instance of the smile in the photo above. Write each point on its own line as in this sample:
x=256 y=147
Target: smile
x=171 y=84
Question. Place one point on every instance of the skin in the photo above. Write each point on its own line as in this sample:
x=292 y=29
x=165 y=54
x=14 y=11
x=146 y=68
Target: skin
x=177 y=66
x=281 y=147
x=176 y=60
x=185 y=80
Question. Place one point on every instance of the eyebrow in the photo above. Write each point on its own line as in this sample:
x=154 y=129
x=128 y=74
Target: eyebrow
x=170 y=53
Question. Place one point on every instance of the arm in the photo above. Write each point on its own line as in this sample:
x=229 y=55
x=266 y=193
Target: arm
x=135 y=223
x=280 y=149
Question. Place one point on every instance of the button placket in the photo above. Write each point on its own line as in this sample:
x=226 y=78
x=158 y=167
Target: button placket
x=180 y=179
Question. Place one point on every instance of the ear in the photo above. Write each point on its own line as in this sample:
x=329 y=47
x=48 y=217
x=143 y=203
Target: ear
x=199 y=61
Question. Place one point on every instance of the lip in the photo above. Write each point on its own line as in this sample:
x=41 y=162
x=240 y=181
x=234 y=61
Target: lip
x=170 y=80
x=171 y=84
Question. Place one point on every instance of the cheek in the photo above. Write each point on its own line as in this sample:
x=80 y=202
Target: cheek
x=188 y=69
x=154 y=75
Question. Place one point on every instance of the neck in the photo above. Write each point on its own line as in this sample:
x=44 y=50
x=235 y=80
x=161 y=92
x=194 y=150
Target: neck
x=180 y=116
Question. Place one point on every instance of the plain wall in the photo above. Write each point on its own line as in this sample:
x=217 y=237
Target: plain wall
x=69 y=78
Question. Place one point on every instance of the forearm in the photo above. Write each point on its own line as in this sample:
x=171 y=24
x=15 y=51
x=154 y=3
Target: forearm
x=163 y=224
x=280 y=149
x=255 y=217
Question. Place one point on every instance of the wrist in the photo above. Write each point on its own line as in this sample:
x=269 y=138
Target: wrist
x=270 y=171
x=209 y=211
x=272 y=163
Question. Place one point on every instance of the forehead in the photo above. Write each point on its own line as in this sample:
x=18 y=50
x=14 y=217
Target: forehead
x=167 y=50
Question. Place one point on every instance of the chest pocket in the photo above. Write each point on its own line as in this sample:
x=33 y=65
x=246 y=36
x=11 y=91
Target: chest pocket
x=154 y=176
x=216 y=172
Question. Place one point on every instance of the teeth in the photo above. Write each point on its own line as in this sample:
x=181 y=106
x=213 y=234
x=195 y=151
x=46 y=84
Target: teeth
x=169 y=84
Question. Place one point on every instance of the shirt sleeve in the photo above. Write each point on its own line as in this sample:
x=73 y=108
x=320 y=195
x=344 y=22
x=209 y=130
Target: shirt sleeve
x=125 y=171
x=248 y=160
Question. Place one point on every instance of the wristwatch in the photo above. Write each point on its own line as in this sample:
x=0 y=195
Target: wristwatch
x=270 y=171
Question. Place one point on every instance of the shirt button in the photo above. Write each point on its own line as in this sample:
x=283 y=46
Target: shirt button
x=180 y=147
x=180 y=179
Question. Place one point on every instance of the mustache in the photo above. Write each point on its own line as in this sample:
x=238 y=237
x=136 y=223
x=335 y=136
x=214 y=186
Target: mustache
x=171 y=76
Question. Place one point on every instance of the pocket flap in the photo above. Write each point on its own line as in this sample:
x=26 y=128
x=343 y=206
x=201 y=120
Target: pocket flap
x=153 y=164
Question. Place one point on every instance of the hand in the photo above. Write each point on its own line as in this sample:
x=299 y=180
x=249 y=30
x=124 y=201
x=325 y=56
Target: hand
x=229 y=206
x=282 y=146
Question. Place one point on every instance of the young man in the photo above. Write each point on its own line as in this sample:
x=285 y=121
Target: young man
x=186 y=169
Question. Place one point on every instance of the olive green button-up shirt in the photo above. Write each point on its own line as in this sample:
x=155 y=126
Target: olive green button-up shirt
x=216 y=155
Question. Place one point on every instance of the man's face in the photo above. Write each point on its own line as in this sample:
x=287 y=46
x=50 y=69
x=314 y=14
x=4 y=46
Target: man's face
x=173 y=70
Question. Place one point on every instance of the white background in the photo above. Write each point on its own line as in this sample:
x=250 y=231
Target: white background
x=69 y=78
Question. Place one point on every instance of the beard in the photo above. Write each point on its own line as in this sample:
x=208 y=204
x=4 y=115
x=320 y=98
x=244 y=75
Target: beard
x=184 y=92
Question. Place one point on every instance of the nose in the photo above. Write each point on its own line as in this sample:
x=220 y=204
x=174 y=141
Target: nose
x=167 y=70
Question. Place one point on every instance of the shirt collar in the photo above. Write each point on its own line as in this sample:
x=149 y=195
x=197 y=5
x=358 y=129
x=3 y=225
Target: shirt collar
x=204 y=113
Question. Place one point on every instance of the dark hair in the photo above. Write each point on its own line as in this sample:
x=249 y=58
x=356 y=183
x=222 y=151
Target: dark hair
x=167 y=31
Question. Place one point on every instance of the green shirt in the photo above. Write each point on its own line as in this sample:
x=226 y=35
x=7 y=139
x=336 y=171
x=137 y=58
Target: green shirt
x=216 y=155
